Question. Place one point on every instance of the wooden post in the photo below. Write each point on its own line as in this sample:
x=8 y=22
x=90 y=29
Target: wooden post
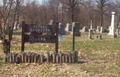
x=56 y=46
x=23 y=33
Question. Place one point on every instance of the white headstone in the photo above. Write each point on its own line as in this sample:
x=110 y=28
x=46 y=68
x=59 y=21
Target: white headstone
x=60 y=37
x=85 y=29
x=68 y=27
x=98 y=28
x=51 y=22
x=102 y=30
x=112 y=33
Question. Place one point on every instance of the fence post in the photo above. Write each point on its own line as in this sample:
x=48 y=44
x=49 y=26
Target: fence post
x=23 y=33
x=73 y=37
x=56 y=46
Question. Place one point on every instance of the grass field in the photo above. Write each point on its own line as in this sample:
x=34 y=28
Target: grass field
x=97 y=58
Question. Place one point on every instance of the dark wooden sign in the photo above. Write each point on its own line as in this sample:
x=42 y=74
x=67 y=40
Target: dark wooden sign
x=39 y=34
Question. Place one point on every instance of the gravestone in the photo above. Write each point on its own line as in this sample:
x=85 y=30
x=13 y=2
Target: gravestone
x=61 y=29
x=51 y=22
x=90 y=34
x=117 y=31
x=98 y=28
x=76 y=25
x=112 y=33
x=102 y=30
x=60 y=37
x=68 y=27
x=85 y=29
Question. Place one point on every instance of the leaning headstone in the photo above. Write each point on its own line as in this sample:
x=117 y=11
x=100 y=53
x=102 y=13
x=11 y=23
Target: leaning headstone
x=68 y=27
x=90 y=34
x=76 y=25
x=112 y=33
x=85 y=29
x=102 y=30
x=61 y=29
x=117 y=31
x=98 y=29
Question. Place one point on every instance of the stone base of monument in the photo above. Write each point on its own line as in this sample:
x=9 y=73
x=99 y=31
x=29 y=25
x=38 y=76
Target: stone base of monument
x=112 y=36
x=31 y=57
x=76 y=33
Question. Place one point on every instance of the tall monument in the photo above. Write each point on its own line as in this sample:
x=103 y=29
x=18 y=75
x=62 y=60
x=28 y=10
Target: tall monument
x=112 y=33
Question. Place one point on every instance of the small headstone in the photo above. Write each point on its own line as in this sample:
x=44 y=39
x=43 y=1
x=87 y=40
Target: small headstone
x=117 y=30
x=39 y=59
x=100 y=37
x=61 y=29
x=85 y=29
x=60 y=37
x=51 y=22
x=63 y=58
x=73 y=56
x=90 y=34
x=68 y=27
x=102 y=30
x=98 y=29
x=76 y=56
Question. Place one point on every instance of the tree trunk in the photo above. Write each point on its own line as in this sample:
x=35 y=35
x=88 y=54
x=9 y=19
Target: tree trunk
x=5 y=46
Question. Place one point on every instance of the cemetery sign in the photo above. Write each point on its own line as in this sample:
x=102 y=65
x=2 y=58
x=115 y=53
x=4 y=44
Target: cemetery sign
x=39 y=34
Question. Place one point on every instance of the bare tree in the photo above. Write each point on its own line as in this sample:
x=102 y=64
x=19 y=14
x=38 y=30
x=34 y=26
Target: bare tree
x=101 y=9
x=8 y=16
x=70 y=6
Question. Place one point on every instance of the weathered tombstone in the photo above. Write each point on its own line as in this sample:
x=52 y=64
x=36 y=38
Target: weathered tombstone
x=63 y=58
x=39 y=59
x=117 y=30
x=29 y=57
x=51 y=22
x=57 y=58
x=42 y=57
x=54 y=57
x=61 y=29
x=73 y=56
x=90 y=34
x=48 y=57
x=68 y=27
x=85 y=29
x=102 y=30
x=66 y=58
x=98 y=29
x=76 y=56
x=112 y=33
x=26 y=58
x=76 y=24
x=70 y=57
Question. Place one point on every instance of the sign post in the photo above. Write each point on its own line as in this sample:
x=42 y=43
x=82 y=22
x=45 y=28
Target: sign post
x=73 y=37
